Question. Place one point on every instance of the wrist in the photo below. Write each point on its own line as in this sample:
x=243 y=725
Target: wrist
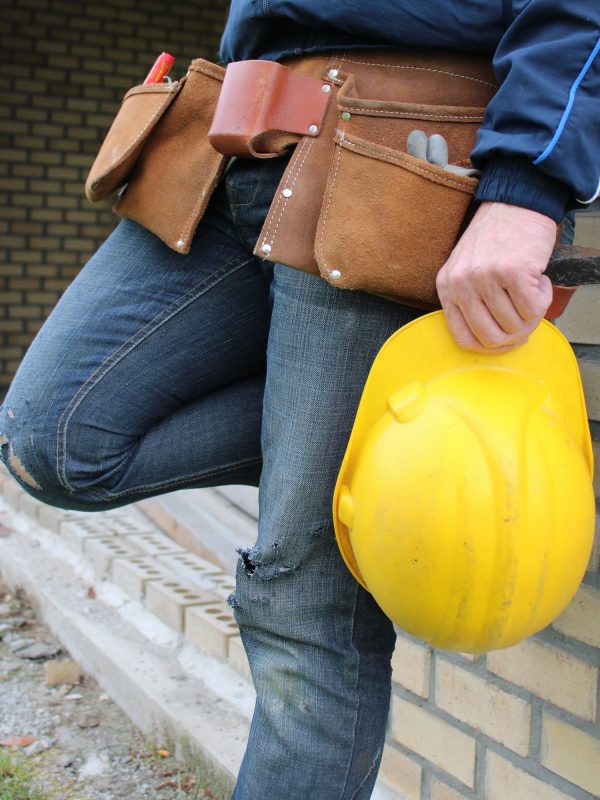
x=516 y=217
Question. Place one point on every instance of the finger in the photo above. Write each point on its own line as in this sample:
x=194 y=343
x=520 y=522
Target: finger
x=459 y=330
x=498 y=297
x=416 y=144
x=503 y=310
x=485 y=328
x=464 y=338
x=437 y=150
x=531 y=296
x=466 y=309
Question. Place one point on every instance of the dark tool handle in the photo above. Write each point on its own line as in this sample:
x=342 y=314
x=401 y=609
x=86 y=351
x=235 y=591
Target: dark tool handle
x=571 y=265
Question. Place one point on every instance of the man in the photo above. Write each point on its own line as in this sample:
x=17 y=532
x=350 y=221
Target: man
x=160 y=371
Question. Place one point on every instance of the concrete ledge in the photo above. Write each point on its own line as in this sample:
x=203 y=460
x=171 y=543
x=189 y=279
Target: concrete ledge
x=157 y=683
x=196 y=699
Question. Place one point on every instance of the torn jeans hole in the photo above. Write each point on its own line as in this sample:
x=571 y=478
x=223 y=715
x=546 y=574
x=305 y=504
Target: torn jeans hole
x=252 y=566
x=249 y=564
x=16 y=466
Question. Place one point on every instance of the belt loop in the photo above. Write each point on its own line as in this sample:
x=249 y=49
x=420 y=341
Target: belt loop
x=261 y=104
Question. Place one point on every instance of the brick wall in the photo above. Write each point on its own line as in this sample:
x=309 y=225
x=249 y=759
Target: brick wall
x=521 y=723
x=66 y=67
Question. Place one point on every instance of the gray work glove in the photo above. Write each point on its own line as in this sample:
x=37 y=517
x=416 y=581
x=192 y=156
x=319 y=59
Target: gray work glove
x=434 y=149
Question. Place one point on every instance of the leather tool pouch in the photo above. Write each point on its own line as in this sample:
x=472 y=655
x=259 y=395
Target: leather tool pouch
x=356 y=208
x=170 y=168
x=352 y=205
x=389 y=221
x=140 y=111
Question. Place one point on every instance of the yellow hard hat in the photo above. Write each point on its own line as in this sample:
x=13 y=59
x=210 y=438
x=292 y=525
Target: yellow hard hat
x=464 y=503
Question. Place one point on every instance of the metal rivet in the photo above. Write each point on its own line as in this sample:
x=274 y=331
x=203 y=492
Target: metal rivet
x=313 y=129
x=326 y=88
x=287 y=192
x=335 y=274
x=345 y=115
x=180 y=243
x=266 y=248
x=333 y=73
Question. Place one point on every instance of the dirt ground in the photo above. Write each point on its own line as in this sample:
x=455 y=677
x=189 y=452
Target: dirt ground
x=77 y=744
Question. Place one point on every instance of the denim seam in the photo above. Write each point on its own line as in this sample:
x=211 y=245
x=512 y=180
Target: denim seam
x=153 y=486
x=356 y=682
x=233 y=195
x=124 y=350
x=235 y=206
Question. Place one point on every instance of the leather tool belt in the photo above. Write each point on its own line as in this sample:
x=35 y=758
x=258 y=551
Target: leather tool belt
x=352 y=206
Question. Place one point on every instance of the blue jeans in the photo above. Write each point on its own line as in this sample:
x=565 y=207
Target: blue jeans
x=158 y=371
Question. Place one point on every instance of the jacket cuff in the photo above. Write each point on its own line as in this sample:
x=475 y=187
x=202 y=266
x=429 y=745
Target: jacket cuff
x=519 y=183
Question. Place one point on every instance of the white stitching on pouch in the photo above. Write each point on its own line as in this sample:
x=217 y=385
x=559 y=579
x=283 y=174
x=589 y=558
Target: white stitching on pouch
x=334 y=179
x=411 y=115
x=306 y=144
x=423 y=69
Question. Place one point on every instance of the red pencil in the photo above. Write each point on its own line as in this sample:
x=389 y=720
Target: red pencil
x=160 y=68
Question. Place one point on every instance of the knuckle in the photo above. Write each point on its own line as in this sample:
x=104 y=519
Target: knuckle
x=493 y=340
x=533 y=312
x=460 y=283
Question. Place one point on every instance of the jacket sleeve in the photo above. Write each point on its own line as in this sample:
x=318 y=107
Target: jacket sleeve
x=539 y=146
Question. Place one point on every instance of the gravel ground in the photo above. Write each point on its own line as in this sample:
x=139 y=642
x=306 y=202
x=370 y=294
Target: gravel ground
x=81 y=745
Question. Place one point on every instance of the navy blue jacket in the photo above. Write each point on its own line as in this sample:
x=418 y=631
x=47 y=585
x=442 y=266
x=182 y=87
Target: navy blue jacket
x=539 y=146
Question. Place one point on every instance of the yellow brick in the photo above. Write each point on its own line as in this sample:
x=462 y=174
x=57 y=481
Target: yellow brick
x=579 y=321
x=410 y=664
x=440 y=791
x=400 y=773
x=436 y=740
x=581 y=620
x=595 y=557
x=479 y=703
x=571 y=753
x=504 y=781
x=588 y=369
x=23 y=312
x=588 y=230
x=549 y=673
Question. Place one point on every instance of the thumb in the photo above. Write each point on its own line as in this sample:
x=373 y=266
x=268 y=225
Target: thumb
x=545 y=289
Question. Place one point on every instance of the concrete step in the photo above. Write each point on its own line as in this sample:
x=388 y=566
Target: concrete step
x=198 y=703
x=212 y=523
x=152 y=627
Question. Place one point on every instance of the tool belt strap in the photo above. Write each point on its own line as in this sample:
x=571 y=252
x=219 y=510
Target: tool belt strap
x=264 y=107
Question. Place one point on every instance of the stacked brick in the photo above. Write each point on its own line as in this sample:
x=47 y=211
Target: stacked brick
x=67 y=65
x=523 y=722
x=186 y=592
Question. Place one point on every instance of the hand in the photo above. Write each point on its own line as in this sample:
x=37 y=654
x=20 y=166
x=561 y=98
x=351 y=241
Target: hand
x=492 y=288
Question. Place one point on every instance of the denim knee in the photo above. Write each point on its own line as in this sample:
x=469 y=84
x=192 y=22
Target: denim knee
x=30 y=456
